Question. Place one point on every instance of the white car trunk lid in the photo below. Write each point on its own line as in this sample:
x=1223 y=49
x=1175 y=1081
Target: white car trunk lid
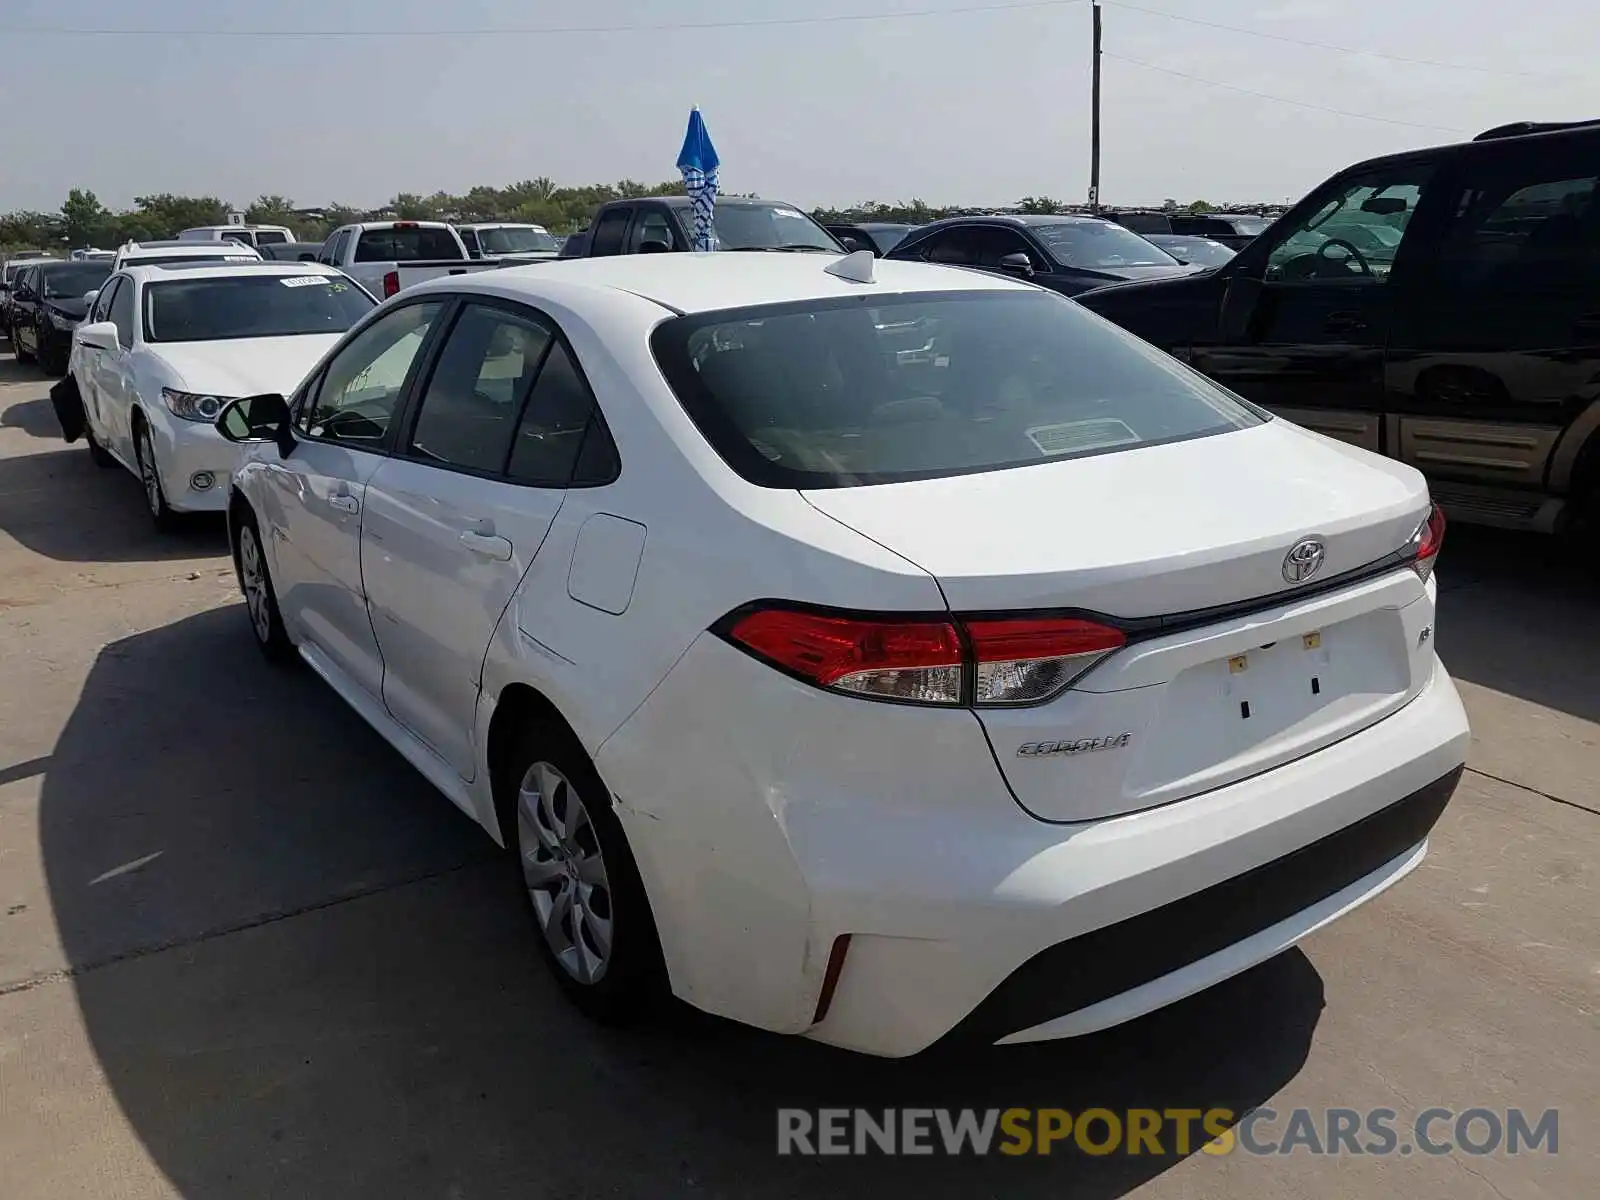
x=1151 y=539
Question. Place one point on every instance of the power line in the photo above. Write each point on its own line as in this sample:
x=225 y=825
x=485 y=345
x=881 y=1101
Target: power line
x=1338 y=112
x=1294 y=41
x=541 y=30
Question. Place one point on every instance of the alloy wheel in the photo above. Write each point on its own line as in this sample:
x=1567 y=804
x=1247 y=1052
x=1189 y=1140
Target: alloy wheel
x=253 y=580
x=147 y=473
x=565 y=872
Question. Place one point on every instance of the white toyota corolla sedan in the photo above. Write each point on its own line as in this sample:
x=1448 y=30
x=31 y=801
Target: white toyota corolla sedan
x=868 y=650
x=165 y=346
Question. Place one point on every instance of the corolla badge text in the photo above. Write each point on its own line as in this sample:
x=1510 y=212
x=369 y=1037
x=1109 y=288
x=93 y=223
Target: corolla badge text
x=1114 y=741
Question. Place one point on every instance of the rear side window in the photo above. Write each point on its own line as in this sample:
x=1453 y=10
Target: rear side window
x=1532 y=223
x=406 y=243
x=842 y=393
x=608 y=232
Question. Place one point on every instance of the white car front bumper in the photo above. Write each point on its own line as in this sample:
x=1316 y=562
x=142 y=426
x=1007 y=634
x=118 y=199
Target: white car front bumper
x=186 y=453
x=769 y=819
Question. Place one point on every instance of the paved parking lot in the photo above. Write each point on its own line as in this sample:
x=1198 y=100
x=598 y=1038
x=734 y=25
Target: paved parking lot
x=246 y=951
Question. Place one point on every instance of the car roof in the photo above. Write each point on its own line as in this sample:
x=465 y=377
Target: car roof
x=154 y=272
x=186 y=249
x=1021 y=220
x=693 y=283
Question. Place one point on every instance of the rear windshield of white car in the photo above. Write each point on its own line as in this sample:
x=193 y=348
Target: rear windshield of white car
x=408 y=243
x=256 y=306
x=880 y=389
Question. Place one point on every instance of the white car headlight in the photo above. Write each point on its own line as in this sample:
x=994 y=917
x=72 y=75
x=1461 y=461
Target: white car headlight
x=194 y=406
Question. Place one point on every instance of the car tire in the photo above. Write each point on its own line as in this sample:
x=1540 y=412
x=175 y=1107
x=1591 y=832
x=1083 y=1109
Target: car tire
x=577 y=877
x=98 y=454
x=260 y=597
x=155 y=497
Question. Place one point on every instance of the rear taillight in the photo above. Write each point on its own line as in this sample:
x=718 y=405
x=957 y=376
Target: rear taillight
x=391 y=283
x=1428 y=540
x=1024 y=660
x=983 y=661
x=917 y=661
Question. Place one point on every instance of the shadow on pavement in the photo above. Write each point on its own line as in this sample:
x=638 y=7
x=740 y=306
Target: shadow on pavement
x=1520 y=613
x=59 y=504
x=407 y=1042
x=34 y=417
x=12 y=371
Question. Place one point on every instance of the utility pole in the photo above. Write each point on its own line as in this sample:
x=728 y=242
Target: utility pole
x=1094 y=127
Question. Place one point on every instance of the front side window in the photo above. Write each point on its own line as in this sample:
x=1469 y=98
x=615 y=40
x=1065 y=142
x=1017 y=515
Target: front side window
x=841 y=393
x=1099 y=245
x=121 y=313
x=362 y=386
x=651 y=227
x=470 y=408
x=255 y=306
x=1354 y=235
x=271 y=237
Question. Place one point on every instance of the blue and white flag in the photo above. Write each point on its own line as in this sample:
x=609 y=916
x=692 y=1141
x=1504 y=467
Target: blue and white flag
x=698 y=161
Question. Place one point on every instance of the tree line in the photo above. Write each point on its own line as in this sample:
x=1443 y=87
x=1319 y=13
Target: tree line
x=82 y=220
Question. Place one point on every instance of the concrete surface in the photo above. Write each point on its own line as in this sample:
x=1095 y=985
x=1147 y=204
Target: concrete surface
x=245 y=951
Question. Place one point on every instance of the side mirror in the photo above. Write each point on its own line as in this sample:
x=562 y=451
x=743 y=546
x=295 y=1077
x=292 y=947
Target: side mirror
x=90 y=297
x=102 y=335
x=263 y=418
x=654 y=246
x=1017 y=264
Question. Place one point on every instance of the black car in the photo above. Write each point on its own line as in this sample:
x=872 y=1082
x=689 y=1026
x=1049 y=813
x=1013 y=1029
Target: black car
x=1197 y=251
x=1237 y=230
x=1064 y=253
x=47 y=302
x=664 y=224
x=878 y=236
x=1440 y=306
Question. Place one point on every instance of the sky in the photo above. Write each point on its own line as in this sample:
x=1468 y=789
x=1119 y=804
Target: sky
x=805 y=103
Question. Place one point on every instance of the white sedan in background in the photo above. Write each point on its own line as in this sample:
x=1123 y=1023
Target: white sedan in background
x=164 y=347
x=1004 y=692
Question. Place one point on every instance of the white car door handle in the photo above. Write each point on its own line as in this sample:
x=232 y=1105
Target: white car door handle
x=347 y=504
x=488 y=545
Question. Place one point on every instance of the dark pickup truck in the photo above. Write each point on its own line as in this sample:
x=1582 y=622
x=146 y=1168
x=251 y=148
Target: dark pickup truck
x=663 y=224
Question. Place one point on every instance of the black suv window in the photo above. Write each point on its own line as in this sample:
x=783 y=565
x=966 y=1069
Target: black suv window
x=1523 y=222
x=1354 y=234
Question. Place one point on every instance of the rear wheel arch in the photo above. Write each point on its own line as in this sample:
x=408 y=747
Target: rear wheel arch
x=518 y=707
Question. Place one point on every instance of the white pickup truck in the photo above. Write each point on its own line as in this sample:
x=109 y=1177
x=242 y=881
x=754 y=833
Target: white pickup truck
x=386 y=257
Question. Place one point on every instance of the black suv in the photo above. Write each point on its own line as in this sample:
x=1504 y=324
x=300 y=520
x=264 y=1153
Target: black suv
x=1440 y=306
x=47 y=302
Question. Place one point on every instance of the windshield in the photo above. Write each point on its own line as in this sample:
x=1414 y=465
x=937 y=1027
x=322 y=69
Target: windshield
x=406 y=243
x=765 y=227
x=517 y=239
x=251 y=306
x=839 y=393
x=72 y=280
x=1100 y=244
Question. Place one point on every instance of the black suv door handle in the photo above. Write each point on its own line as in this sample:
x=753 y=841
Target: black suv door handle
x=1345 y=322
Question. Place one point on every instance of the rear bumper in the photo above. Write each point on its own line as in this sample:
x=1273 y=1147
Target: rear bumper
x=770 y=819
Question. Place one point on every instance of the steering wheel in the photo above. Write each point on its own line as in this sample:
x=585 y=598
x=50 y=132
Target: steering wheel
x=1356 y=256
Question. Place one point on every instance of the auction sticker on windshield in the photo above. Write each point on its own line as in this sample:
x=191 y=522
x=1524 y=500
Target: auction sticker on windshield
x=304 y=280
